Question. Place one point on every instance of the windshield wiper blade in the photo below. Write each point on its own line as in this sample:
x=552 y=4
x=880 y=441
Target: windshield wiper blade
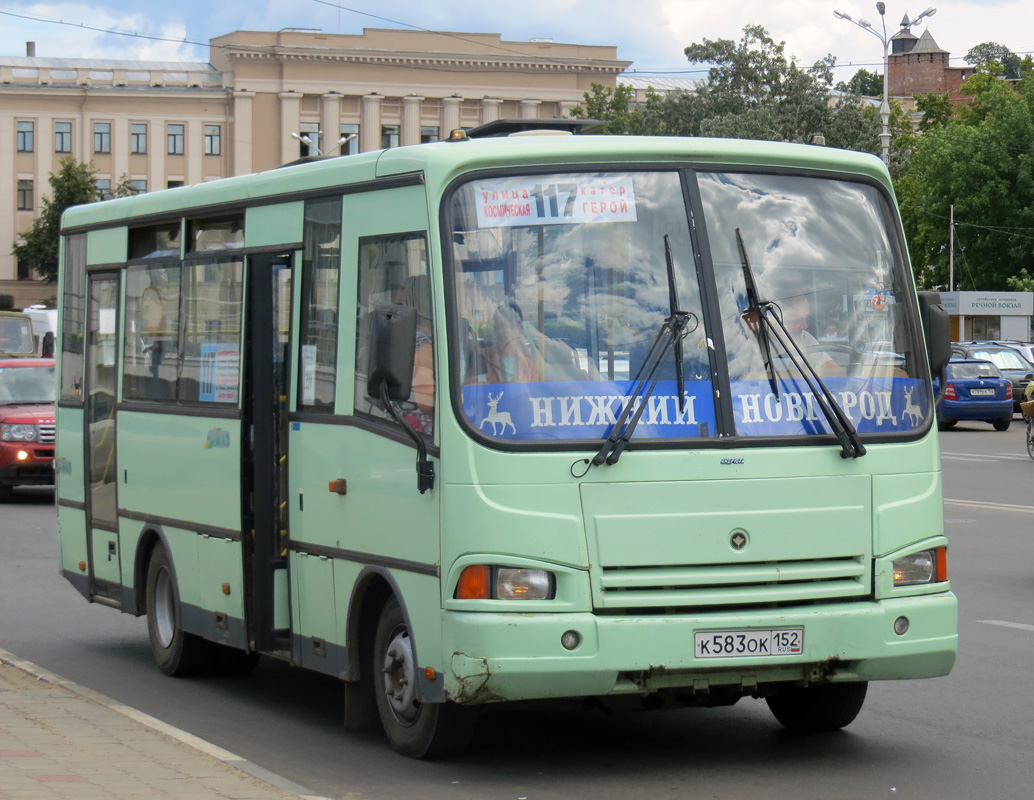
x=670 y=335
x=679 y=320
x=839 y=423
x=754 y=305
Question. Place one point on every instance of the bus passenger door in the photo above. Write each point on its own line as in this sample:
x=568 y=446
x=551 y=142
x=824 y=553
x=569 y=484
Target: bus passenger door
x=100 y=392
x=265 y=463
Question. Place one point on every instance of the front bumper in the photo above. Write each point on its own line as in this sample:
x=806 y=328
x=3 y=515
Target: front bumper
x=37 y=469
x=493 y=657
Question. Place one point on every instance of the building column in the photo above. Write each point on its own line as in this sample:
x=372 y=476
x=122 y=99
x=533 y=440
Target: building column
x=120 y=150
x=290 y=121
x=330 y=123
x=451 y=114
x=8 y=196
x=194 y=149
x=530 y=109
x=156 y=152
x=370 y=122
x=242 y=139
x=490 y=109
x=411 y=119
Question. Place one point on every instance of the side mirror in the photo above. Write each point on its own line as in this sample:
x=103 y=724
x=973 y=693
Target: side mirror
x=392 y=351
x=936 y=330
x=390 y=374
x=48 y=344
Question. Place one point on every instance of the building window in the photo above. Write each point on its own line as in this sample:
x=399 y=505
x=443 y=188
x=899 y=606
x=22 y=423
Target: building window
x=173 y=184
x=389 y=136
x=309 y=138
x=62 y=137
x=138 y=138
x=25 y=195
x=102 y=137
x=175 y=135
x=138 y=186
x=25 y=136
x=428 y=133
x=103 y=188
x=213 y=140
x=350 y=147
x=23 y=269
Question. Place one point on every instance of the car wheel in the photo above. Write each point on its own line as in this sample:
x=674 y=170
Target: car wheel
x=818 y=708
x=414 y=728
x=1002 y=424
x=6 y=493
x=946 y=424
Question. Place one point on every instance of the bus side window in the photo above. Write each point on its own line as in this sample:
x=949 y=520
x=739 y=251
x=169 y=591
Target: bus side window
x=393 y=269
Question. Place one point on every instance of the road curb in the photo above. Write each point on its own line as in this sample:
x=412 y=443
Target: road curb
x=190 y=740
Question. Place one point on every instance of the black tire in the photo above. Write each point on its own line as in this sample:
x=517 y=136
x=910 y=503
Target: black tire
x=1030 y=438
x=1002 y=424
x=6 y=493
x=177 y=652
x=946 y=424
x=414 y=728
x=815 y=709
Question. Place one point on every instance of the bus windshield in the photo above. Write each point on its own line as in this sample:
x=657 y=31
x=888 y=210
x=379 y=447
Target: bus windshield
x=560 y=288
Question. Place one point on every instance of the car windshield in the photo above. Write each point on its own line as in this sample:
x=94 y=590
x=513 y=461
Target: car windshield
x=559 y=288
x=26 y=384
x=1003 y=359
x=983 y=369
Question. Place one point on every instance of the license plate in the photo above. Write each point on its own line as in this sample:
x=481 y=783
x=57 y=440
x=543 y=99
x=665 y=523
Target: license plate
x=982 y=392
x=744 y=643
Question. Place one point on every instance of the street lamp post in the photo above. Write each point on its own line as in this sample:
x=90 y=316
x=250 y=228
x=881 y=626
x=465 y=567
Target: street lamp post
x=885 y=105
x=304 y=139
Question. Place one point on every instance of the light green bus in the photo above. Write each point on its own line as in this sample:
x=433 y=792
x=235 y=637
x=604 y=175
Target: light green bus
x=506 y=417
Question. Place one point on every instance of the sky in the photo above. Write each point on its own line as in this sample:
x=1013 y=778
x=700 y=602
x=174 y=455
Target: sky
x=650 y=33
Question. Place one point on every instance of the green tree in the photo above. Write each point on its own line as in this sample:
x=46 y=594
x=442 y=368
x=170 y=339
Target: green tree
x=613 y=106
x=72 y=185
x=864 y=83
x=982 y=162
x=992 y=53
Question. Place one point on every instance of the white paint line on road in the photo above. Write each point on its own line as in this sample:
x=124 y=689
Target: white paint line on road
x=1001 y=623
x=991 y=506
x=983 y=458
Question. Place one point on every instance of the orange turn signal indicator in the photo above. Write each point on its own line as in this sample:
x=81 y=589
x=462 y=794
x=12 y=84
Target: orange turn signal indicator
x=473 y=583
x=942 y=563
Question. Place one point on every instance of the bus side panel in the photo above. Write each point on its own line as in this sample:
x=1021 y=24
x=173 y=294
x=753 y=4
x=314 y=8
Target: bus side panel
x=315 y=621
x=71 y=528
x=181 y=468
x=71 y=488
x=220 y=588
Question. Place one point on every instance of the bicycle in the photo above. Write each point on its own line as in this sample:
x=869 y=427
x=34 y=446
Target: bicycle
x=1027 y=409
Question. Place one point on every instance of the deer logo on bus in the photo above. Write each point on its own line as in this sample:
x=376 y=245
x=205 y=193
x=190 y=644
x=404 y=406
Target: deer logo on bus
x=497 y=417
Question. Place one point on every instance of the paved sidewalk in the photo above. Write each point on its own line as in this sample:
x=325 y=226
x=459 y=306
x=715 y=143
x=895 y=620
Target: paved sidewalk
x=60 y=741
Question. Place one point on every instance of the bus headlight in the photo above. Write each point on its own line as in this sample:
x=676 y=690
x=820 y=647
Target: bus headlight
x=483 y=582
x=926 y=566
x=15 y=432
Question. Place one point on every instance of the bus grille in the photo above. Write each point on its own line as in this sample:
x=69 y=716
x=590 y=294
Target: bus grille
x=744 y=584
x=46 y=434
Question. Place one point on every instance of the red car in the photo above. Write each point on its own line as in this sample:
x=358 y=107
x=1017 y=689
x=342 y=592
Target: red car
x=27 y=388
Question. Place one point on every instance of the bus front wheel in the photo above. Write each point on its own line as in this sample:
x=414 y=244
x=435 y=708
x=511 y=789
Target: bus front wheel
x=177 y=652
x=818 y=708
x=414 y=728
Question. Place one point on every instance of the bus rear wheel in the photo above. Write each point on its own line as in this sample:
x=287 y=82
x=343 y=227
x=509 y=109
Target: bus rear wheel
x=414 y=728
x=177 y=652
x=818 y=708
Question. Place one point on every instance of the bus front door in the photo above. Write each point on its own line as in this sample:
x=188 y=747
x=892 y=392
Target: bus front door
x=265 y=463
x=100 y=391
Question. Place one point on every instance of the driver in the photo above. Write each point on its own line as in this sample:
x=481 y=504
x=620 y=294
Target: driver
x=796 y=310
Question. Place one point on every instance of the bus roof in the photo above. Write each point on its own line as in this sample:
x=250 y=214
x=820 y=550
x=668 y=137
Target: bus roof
x=440 y=162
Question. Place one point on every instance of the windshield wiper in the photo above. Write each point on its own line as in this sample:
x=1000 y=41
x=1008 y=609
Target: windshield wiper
x=754 y=306
x=672 y=331
x=768 y=318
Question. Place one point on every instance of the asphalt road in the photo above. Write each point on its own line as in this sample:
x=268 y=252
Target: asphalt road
x=968 y=735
